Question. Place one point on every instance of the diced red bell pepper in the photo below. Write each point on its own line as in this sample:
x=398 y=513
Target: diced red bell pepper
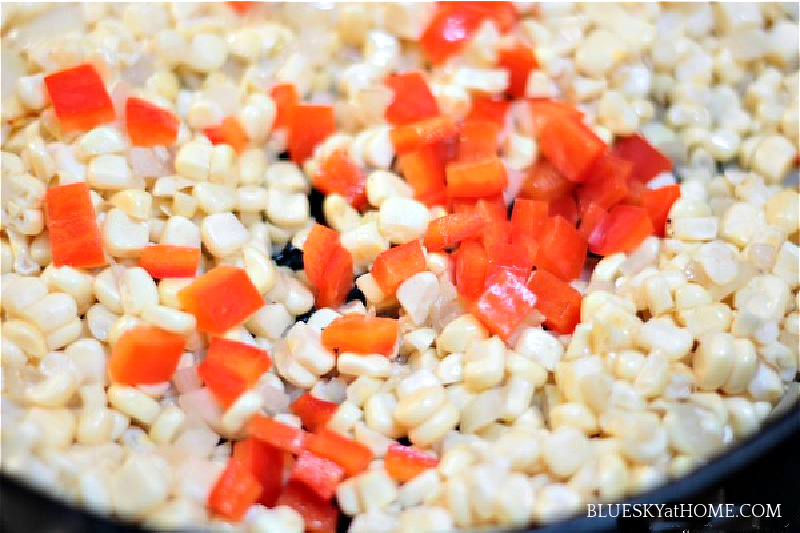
x=239 y=7
x=80 y=99
x=607 y=182
x=503 y=14
x=496 y=234
x=412 y=100
x=149 y=125
x=565 y=207
x=476 y=178
x=310 y=125
x=570 y=146
x=277 y=434
x=318 y=249
x=221 y=298
x=529 y=245
x=234 y=491
x=562 y=250
x=519 y=61
x=332 y=290
x=395 y=265
x=504 y=303
x=286 y=99
x=647 y=161
x=528 y=217
x=622 y=230
x=265 y=462
x=544 y=182
x=71 y=224
x=404 y=462
x=319 y=515
x=328 y=265
x=543 y=110
x=351 y=455
x=478 y=140
x=470 y=269
x=448 y=31
x=229 y=132
x=356 y=333
x=590 y=218
x=658 y=203
x=168 y=261
x=314 y=412
x=337 y=174
x=449 y=230
x=317 y=473
x=417 y=135
x=145 y=355
x=488 y=108
x=230 y=368
x=423 y=170
x=557 y=300
x=509 y=257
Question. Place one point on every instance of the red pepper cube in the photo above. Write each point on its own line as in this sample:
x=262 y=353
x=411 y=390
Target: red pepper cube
x=658 y=203
x=404 y=462
x=488 y=108
x=607 y=183
x=562 y=250
x=478 y=139
x=168 y=261
x=318 y=249
x=145 y=355
x=423 y=170
x=566 y=207
x=647 y=161
x=449 y=230
x=470 y=267
x=476 y=178
x=234 y=492
x=351 y=455
x=277 y=434
x=622 y=230
x=286 y=99
x=557 y=300
x=504 y=303
x=544 y=182
x=519 y=61
x=80 y=99
x=333 y=290
x=310 y=125
x=74 y=236
x=590 y=218
x=265 y=462
x=418 y=135
x=149 y=125
x=230 y=368
x=448 y=31
x=395 y=265
x=319 y=515
x=359 y=334
x=221 y=298
x=229 y=132
x=570 y=146
x=315 y=413
x=528 y=217
x=412 y=99
x=337 y=174
x=317 y=473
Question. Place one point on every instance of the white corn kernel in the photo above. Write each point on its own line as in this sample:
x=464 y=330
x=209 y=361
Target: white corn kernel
x=103 y=140
x=376 y=366
x=403 y=219
x=133 y=403
x=287 y=209
x=223 y=234
x=193 y=160
x=122 y=236
x=109 y=172
x=382 y=185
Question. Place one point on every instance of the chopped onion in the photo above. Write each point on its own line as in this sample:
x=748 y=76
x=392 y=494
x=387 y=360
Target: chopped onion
x=202 y=404
x=149 y=162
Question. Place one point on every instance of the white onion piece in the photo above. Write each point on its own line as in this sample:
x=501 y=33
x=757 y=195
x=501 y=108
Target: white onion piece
x=515 y=179
x=196 y=476
x=270 y=387
x=149 y=162
x=201 y=403
x=186 y=379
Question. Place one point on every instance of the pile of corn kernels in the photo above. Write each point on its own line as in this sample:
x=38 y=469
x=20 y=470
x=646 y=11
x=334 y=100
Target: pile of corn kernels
x=684 y=346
